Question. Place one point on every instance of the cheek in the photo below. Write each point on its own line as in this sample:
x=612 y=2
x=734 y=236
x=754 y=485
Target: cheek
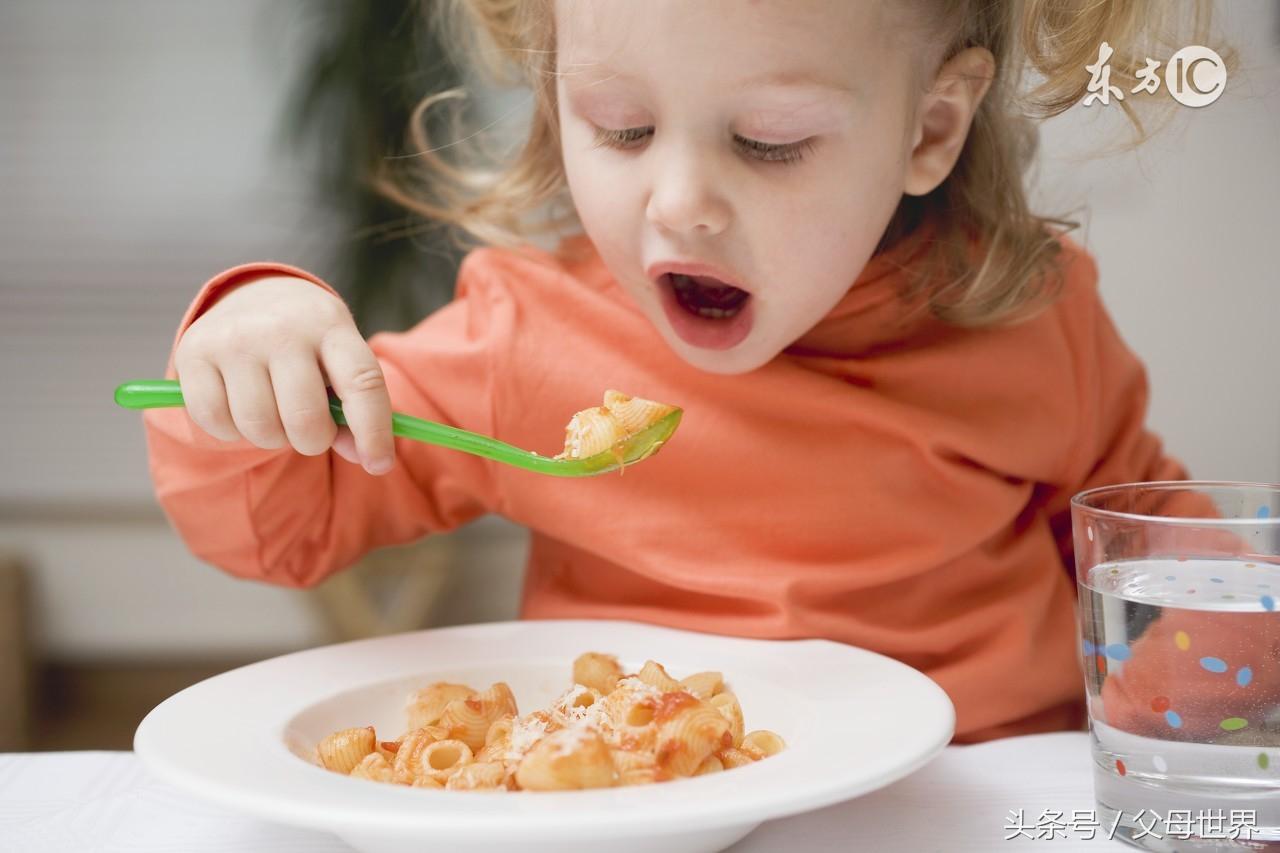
x=824 y=236
x=833 y=223
x=600 y=192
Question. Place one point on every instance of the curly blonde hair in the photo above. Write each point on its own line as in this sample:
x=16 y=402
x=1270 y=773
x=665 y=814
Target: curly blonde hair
x=989 y=258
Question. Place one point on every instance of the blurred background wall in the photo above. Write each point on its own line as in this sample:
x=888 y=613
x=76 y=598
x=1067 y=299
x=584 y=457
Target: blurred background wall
x=140 y=153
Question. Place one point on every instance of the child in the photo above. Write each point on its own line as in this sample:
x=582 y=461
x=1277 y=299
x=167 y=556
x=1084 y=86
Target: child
x=804 y=224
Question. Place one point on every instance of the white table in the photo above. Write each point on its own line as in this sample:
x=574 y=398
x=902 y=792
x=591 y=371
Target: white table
x=962 y=802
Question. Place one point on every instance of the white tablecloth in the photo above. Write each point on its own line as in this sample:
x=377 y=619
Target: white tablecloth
x=967 y=799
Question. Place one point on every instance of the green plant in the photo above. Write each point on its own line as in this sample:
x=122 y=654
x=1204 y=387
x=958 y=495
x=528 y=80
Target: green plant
x=368 y=63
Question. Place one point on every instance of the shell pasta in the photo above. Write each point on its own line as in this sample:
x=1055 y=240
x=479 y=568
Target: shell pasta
x=610 y=729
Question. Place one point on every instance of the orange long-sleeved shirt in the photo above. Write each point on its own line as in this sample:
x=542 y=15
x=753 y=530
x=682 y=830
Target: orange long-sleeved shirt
x=888 y=481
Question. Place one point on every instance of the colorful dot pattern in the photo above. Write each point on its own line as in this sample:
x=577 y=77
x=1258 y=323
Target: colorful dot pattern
x=1118 y=651
x=1210 y=663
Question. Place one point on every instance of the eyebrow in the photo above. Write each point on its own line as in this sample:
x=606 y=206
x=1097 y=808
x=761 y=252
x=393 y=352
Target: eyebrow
x=797 y=79
x=779 y=79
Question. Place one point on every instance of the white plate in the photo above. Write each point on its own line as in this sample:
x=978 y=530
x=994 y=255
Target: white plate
x=853 y=721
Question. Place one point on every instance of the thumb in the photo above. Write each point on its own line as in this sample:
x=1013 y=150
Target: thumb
x=344 y=444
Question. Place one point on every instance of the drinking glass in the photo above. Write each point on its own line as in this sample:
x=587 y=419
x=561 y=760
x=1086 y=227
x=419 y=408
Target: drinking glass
x=1178 y=585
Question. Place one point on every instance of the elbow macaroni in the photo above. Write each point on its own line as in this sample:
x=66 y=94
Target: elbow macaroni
x=610 y=729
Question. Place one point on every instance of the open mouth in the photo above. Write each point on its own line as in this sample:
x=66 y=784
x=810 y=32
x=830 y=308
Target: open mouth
x=706 y=297
x=704 y=311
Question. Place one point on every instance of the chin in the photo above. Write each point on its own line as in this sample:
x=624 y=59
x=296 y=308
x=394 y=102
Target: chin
x=743 y=358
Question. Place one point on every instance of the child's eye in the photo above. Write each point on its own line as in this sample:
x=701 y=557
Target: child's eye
x=627 y=137
x=789 y=152
x=633 y=137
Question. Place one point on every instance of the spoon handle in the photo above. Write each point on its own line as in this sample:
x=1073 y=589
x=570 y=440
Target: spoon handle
x=166 y=393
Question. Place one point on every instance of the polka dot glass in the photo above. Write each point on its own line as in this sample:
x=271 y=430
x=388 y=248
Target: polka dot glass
x=1180 y=654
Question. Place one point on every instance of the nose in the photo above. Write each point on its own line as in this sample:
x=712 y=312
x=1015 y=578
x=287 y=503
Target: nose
x=685 y=198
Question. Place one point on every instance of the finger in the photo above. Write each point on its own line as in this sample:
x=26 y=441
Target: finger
x=357 y=379
x=345 y=446
x=253 y=404
x=205 y=398
x=302 y=401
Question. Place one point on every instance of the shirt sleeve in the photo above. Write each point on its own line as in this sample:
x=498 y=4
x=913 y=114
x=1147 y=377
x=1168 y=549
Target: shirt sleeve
x=1112 y=442
x=284 y=518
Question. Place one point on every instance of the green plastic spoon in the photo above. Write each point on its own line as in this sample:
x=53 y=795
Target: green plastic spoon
x=166 y=393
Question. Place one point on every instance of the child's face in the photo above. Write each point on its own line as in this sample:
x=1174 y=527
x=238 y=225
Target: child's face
x=763 y=145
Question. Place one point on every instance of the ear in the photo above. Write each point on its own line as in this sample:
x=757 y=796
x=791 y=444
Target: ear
x=946 y=113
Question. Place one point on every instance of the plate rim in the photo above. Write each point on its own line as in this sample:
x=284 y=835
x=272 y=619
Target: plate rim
x=294 y=809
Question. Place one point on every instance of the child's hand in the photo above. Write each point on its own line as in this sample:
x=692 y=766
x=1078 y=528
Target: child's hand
x=255 y=366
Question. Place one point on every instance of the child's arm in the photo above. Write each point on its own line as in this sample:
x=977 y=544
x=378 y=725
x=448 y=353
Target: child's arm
x=1111 y=441
x=1163 y=671
x=282 y=517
